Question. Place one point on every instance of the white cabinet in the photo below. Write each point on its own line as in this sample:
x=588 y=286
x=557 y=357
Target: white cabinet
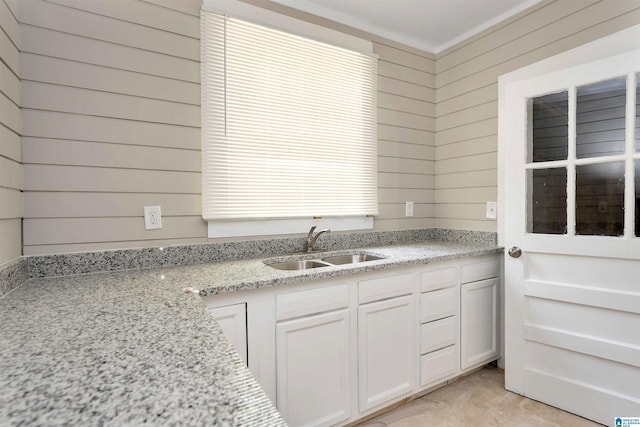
x=479 y=312
x=233 y=321
x=332 y=351
x=386 y=350
x=386 y=338
x=313 y=356
x=313 y=369
x=439 y=306
x=438 y=334
x=479 y=332
x=438 y=366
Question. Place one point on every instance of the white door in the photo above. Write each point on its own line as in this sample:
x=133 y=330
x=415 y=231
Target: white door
x=572 y=220
x=313 y=369
x=233 y=321
x=386 y=351
x=478 y=318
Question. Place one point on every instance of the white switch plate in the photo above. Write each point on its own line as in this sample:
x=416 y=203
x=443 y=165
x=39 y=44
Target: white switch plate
x=408 y=209
x=152 y=217
x=492 y=210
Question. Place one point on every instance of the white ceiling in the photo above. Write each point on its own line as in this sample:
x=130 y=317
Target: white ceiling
x=428 y=25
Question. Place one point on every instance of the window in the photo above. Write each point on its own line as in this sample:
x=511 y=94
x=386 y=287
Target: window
x=288 y=128
x=583 y=160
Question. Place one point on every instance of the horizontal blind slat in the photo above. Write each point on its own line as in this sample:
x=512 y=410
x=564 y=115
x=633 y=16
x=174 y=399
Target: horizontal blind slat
x=288 y=125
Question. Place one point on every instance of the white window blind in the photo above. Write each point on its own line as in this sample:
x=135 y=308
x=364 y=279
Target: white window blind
x=288 y=125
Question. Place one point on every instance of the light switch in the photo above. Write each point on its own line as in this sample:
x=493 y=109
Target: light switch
x=408 y=209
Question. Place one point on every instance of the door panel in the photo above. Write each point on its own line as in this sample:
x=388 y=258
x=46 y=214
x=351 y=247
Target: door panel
x=313 y=367
x=233 y=321
x=479 y=313
x=386 y=351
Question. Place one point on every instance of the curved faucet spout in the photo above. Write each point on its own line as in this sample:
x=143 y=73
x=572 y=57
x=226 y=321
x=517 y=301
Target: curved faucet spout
x=311 y=238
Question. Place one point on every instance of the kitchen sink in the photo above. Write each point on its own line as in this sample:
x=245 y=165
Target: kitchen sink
x=350 y=259
x=306 y=264
x=299 y=265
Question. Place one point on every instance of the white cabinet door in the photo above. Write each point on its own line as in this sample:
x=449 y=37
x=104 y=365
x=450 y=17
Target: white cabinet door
x=313 y=369
x=386 y=350
x=479 y=314
x=233 y=321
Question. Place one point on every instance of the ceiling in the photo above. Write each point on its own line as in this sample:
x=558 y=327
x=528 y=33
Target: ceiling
x=428 y=25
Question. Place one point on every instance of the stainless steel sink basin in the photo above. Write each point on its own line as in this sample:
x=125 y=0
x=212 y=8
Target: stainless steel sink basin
x=306 y=264
x=351 y=259
x=299 y=265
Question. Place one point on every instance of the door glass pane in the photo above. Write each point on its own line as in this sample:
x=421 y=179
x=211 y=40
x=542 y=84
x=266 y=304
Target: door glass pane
x=600 y=199
x=547 y=197
x=637 y=114
x=637 y=197
x=548 y=125
x=600 y=119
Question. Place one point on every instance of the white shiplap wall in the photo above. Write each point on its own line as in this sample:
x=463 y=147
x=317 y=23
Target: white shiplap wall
x=110 y=98
x=10 y=132
x=467 y=95
x=111 y=123
x=406 y=117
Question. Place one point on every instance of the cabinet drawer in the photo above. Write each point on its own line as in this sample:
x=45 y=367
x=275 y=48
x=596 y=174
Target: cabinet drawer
x=385 y=287
x=438 y=366
x=304 y=303
x=438 y=304
x=485 y=269
x=438 y=334
x=438 y=279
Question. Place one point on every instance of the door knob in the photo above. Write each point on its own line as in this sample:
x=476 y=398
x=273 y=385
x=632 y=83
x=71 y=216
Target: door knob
x=515 y=252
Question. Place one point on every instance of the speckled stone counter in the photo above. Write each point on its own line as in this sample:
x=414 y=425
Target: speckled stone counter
x=252 y=274
x=120 y=349
x=130 y=348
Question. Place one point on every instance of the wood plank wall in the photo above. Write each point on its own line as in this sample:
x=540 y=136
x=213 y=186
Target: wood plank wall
x=467 y=95
x=406 y=125
x=10 y=132
x=111 y=117
x=111 y=112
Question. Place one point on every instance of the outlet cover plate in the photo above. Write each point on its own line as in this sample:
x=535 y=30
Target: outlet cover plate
x=492 y=210
x=152 y=217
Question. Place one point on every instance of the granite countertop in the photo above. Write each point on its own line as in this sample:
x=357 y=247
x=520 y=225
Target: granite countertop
x=131 y=348
x=252 y=274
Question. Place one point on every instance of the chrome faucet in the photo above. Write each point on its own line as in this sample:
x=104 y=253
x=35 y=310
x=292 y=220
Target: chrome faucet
x=311 y=238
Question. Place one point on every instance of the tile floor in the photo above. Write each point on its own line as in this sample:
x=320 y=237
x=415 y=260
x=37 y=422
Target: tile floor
x=477 y=400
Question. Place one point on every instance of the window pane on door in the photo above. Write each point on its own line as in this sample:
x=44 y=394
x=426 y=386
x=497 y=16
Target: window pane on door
x=600 y=118
x=637 y=180
x=600 y=199
x=637 y=117
x=547 y=196
x=548 y=128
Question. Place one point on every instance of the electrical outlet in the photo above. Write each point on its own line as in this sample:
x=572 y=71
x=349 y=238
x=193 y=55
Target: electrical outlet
x=152 y=217
x=408 y=209
x=492 y=210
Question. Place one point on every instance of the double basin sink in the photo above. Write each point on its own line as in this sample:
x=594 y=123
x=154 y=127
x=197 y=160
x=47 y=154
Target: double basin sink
x=326 y=261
